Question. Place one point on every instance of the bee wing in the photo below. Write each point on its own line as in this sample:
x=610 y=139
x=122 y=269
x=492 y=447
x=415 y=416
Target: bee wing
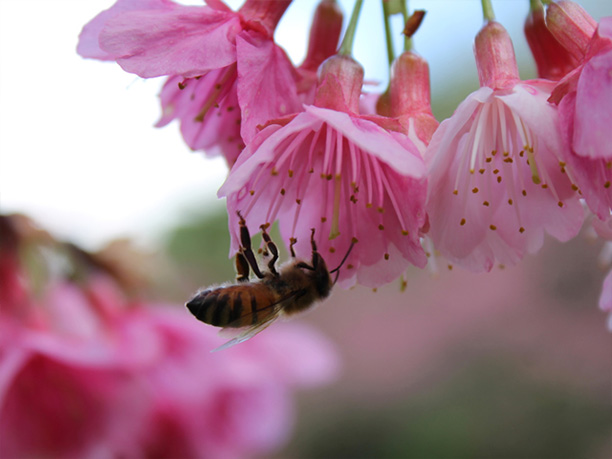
x=247 y=333
x=250 y=331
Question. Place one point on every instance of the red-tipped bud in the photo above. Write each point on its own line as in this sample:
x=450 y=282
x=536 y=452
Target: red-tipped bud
x=552 y=60
x=572 y=26
x=340 y=82
x=495 y=57
x=324 y=34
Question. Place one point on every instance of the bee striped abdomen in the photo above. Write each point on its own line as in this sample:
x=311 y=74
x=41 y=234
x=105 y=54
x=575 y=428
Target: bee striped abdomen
x=233 y=306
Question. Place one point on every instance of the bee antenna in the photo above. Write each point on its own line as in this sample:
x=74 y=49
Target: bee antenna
x=337 y=269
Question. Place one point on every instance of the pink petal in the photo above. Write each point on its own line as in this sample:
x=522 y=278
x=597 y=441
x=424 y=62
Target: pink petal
x=605 y=27
x=176 y=40
x=209 y=117
x=12 y=359
x=291 y=173
x=593 y=117
x=89 y=46
x=484 y=206
x=367 y=135
x=266 y=82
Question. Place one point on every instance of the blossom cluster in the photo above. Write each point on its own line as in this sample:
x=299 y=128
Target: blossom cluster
x=518 y=159
x=87 y=370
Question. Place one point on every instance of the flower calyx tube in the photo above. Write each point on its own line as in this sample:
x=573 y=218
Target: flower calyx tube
x=571 y=25
x=495 y=59
x=552 y=60
x=410 y=98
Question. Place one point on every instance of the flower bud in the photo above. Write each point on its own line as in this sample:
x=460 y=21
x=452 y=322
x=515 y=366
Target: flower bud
x=553 y=61
x=495 y=57
x=571 y=25
x=324 y=34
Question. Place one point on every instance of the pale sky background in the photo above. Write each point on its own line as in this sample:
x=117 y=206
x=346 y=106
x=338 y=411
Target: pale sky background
x=78 y=150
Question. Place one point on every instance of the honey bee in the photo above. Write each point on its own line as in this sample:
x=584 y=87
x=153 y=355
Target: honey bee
x=253 y=306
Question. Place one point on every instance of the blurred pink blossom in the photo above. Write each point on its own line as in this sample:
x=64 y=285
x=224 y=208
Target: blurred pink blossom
x=86 y=373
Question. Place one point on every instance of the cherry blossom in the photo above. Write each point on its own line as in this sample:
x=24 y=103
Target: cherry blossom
x=583 y=100
x=235 y=76
x=497 y=181
x=348 y=176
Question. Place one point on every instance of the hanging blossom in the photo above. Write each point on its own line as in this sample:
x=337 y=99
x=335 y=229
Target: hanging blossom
x=497 y=177
x=85 y=372
x=583 y=99
x=225 y=74
x=353 y=178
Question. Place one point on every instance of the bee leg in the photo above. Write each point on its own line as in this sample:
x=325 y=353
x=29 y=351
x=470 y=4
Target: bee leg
x=315 y=255
x=242 y=268
x=293 y=241
x=271 y=247
x=246 y=250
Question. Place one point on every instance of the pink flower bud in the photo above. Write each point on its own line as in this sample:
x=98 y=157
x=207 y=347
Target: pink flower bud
x=571 y=25
x=495 y=57
x=324 y=34
x=552 y=59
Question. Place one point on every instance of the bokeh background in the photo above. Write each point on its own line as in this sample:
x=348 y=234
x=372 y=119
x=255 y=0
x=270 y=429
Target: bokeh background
x=514 y=363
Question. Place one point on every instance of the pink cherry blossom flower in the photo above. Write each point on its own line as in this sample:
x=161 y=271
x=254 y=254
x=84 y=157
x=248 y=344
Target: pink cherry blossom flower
x=86 y=373
x=497 y=182
x=582 y=97
x=246 y=79
x=345 y=175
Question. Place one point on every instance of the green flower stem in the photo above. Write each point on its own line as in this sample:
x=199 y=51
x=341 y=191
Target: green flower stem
x=535 y=5
x=346 y=48
x=487 y=10
x=388 y=38
x=407 y=39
